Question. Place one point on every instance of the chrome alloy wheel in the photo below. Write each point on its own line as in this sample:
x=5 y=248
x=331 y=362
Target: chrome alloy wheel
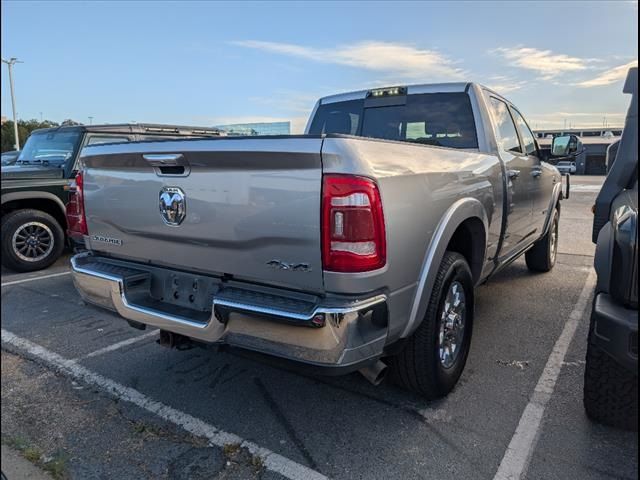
x=452 y=323
x=32 y=241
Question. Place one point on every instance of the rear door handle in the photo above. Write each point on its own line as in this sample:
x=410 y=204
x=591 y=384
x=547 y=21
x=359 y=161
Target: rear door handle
x=513 y=173
x=536 y=173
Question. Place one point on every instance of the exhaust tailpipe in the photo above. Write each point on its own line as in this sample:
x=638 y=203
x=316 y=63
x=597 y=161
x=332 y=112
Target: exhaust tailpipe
x=375 y=372
x=175 y=340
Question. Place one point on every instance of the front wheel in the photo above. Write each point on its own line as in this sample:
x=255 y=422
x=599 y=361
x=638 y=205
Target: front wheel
x=31 y=240
x=542 y=256
x=433 y=358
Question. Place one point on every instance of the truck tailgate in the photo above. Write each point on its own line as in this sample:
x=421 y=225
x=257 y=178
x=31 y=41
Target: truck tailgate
x=242 y=207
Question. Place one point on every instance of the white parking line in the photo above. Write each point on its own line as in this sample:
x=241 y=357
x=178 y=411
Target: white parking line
x=585 y=188
x=116 y=346
x=516 y=459
x=272 y=461
x=33 y=279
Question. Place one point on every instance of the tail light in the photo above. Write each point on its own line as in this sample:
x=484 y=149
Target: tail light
x=353 y=234
x=76 y=220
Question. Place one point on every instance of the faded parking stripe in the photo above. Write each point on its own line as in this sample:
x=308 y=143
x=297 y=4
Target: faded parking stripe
x=272 y=461
x=33 y=279
x=516 y=459
x=117 y=346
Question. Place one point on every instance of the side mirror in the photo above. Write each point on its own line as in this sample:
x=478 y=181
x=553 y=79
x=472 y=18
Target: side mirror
x=566 y=146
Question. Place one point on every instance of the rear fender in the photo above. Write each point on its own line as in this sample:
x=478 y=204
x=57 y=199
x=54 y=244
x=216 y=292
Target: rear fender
x=455 y=215
x=555 y=201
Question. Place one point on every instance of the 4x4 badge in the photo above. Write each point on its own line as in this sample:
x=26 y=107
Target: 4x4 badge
x=294 y=267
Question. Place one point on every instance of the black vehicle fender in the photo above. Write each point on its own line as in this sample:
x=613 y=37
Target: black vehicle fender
x=602 y=259
x=463 y=210
x=10 y=197
x=35 y=195
x=617 y=251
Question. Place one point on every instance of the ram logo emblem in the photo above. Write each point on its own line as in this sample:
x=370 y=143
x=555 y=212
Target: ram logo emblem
x=173 y=207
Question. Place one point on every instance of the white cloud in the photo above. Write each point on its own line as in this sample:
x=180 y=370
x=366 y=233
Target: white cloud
x=503 y=84
x=547 y=63
x=288 y=101
x=610 y=76
x=396 y=58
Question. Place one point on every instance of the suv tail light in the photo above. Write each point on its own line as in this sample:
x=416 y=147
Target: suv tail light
x=353 y=234
x=76 y=220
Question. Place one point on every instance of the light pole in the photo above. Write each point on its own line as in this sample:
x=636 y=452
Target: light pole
x=90 y=120
x=10 y=63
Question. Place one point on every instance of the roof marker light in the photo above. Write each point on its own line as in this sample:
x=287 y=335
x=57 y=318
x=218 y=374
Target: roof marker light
x=387 y=92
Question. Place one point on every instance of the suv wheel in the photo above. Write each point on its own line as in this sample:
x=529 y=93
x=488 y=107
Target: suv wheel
x=610 y=391
x=433 y=358
x=31 y=240
x=542 y=256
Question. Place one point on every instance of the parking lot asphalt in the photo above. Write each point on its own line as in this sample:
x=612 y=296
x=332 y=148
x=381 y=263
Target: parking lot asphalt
x=124 y=405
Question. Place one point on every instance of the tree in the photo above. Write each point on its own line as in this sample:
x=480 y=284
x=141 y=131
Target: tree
x=25 y=127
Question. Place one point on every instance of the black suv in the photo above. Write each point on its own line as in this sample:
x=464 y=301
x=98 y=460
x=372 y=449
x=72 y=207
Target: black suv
x=611 y=374
x=34 y=188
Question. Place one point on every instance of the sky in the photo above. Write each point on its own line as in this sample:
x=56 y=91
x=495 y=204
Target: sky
x=211 y=63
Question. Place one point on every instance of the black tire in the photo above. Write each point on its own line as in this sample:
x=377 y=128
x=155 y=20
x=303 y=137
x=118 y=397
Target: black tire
x=542 y=256
x=46 y=254
x=610 y=391
x=418 y=367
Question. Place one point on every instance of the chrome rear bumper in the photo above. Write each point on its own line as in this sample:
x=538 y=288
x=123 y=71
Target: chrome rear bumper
x=337 y=334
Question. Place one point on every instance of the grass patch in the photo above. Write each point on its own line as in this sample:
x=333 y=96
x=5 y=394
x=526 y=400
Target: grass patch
x=257 y=463
x=55 y=466
x=230 y=449
x=33 y=454
x=143 y=427
x=17 y=443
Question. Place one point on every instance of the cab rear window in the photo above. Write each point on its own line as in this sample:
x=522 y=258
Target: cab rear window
x=440 y=119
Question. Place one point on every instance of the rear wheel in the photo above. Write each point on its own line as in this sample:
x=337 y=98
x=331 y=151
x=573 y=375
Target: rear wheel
x=542 y=256
x=31 y=240
x=433 y=358
x=610 y=391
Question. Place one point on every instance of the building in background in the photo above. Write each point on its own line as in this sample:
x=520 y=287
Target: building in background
x=261 y=128
x=595 y=142
x=581 y=132
x=2 y=120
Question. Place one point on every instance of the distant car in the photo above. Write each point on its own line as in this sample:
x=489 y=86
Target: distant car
x=566 y=167
x=9 y=158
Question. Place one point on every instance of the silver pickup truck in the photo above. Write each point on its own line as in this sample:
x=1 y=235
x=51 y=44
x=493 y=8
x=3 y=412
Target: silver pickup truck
x=356 y=246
